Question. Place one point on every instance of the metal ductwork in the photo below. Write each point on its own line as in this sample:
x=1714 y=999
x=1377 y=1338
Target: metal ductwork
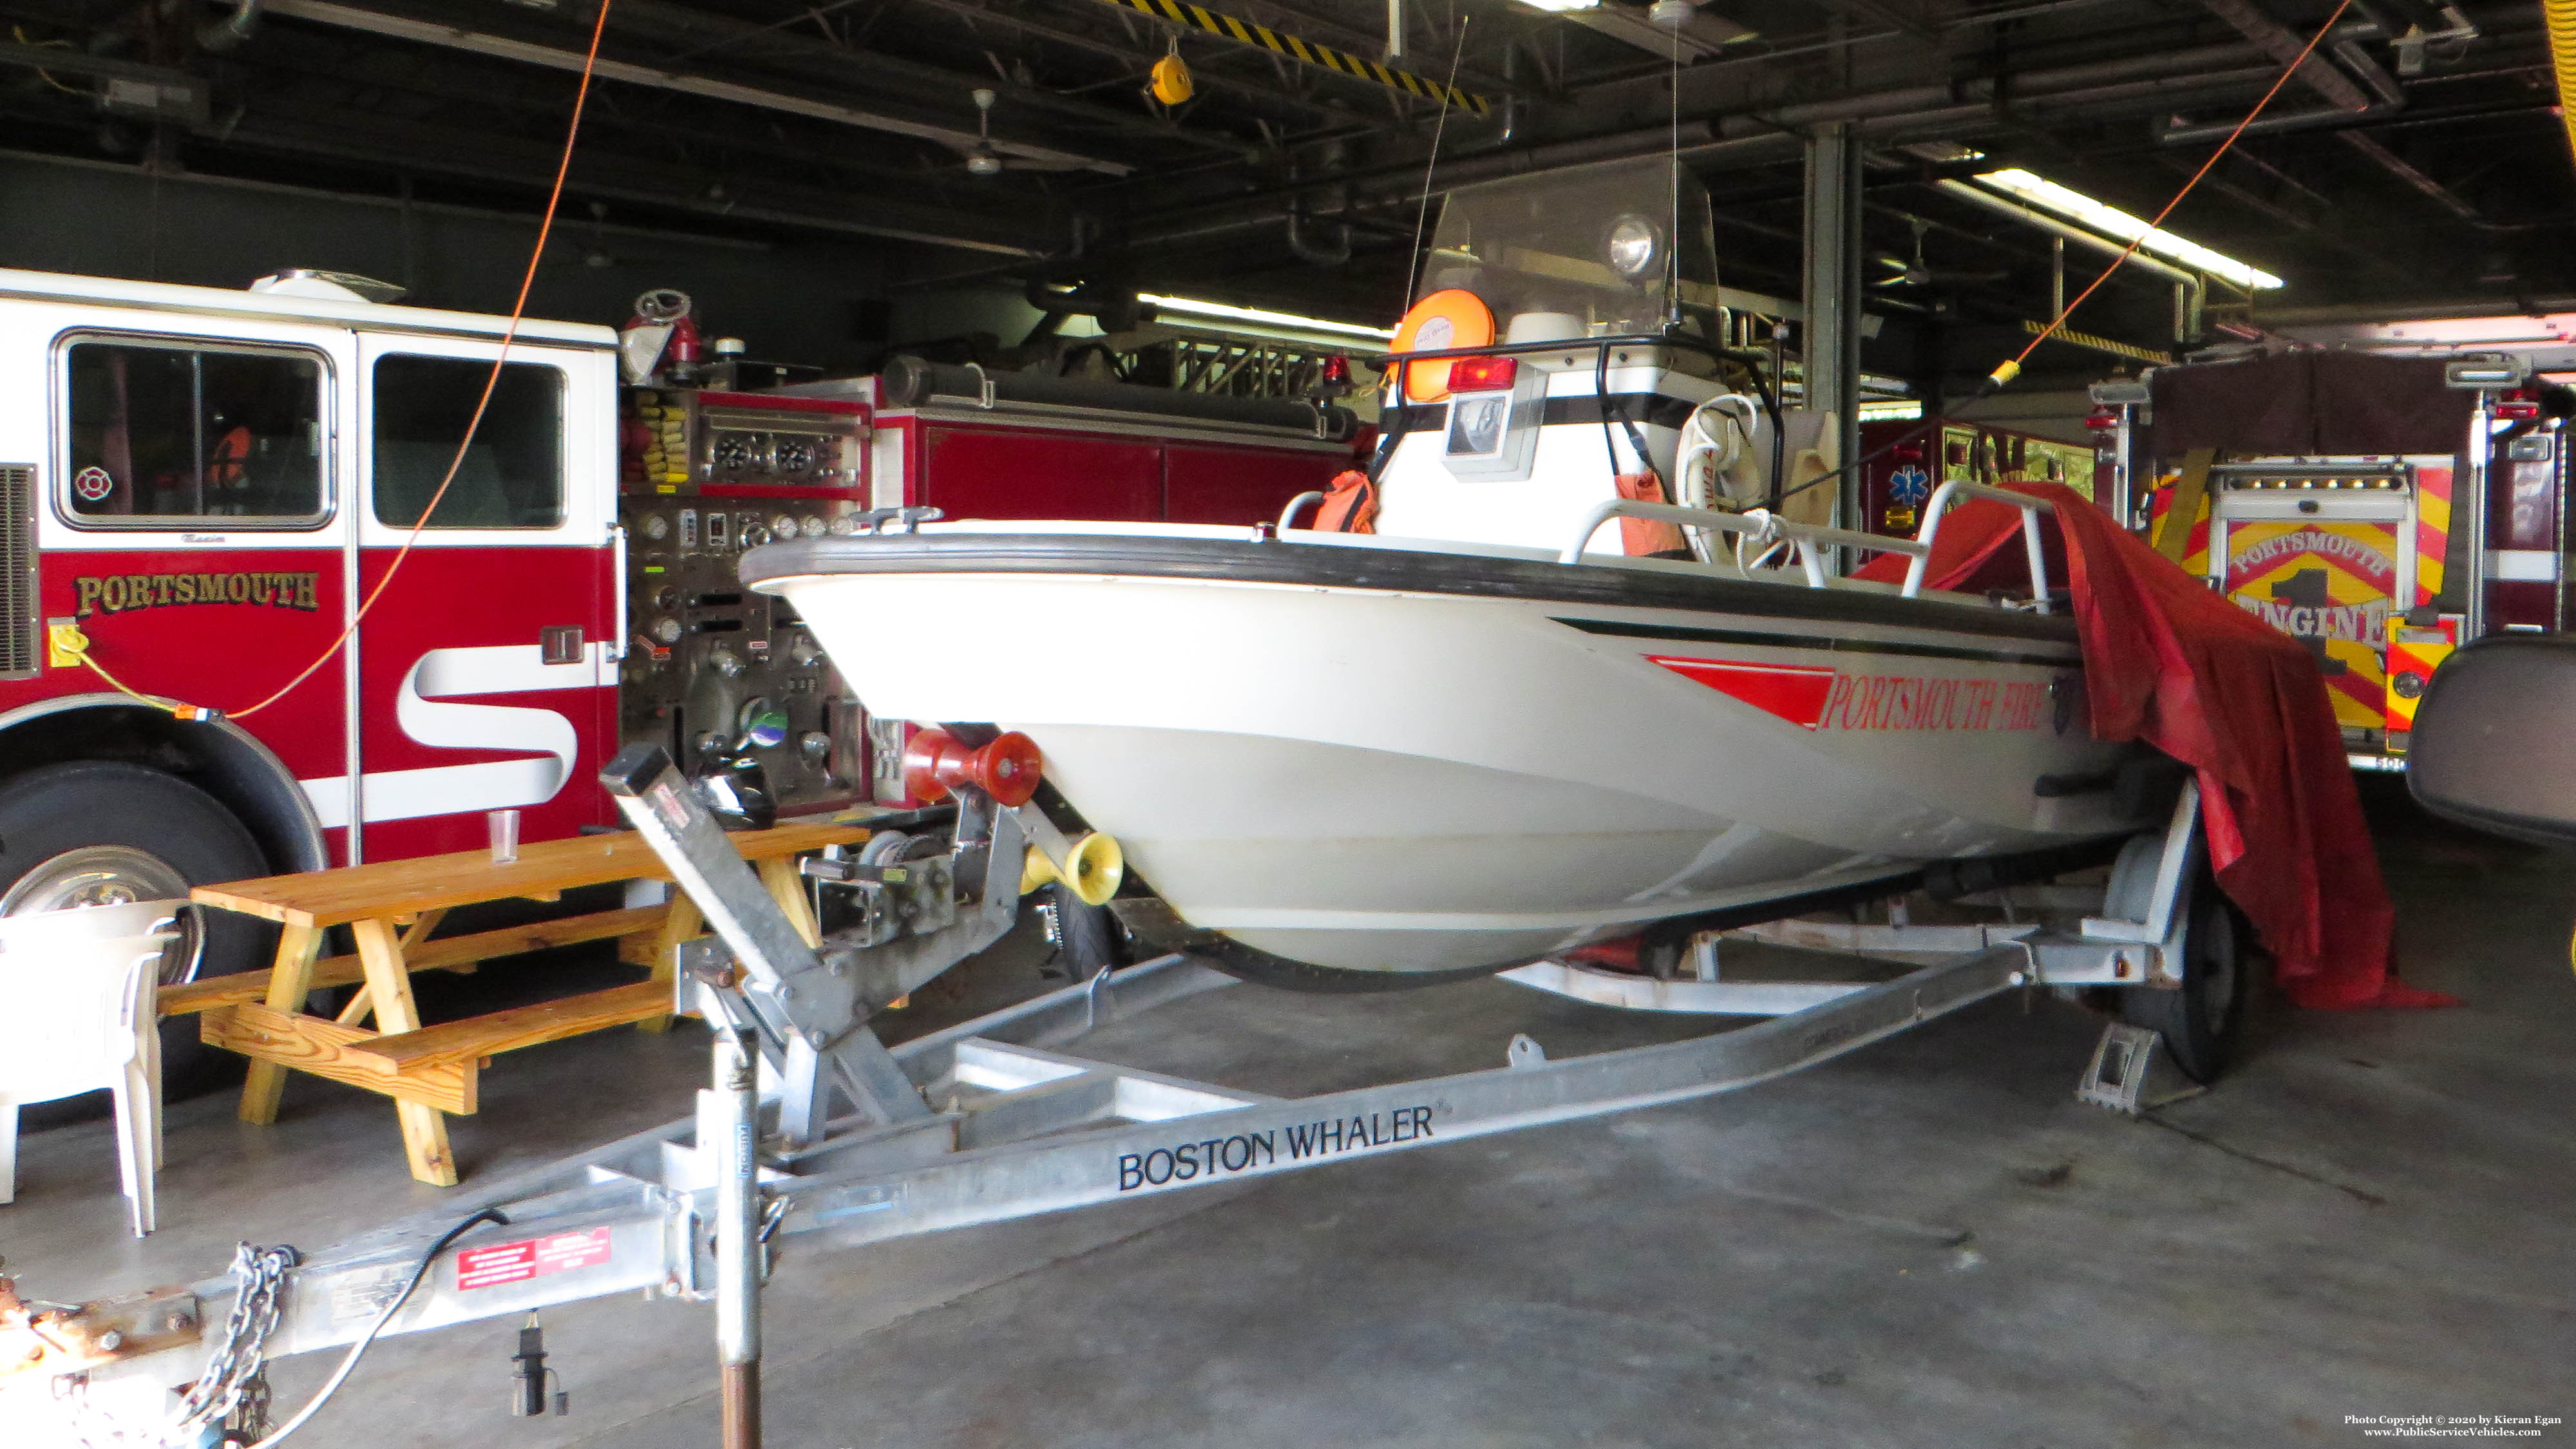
x=1307 y=249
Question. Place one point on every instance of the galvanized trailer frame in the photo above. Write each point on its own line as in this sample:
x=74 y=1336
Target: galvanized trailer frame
x=988 y=1121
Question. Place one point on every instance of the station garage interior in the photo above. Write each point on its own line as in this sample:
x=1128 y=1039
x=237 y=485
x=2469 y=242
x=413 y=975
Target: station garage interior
x=1446 y=724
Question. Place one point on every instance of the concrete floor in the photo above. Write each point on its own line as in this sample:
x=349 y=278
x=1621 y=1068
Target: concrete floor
x=1925 y=1243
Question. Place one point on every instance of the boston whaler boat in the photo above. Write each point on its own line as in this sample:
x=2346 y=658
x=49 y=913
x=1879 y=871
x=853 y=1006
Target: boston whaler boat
x=1574 y=686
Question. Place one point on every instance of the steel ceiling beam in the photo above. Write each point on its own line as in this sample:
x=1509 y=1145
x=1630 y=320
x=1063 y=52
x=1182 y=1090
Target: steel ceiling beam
x=429 y=149
x=430 y=32
x=704 y=32
x=2316 y=72
x=982 y=14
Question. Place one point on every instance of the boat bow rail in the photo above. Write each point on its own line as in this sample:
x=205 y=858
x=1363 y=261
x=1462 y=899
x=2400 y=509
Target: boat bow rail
x=1761 y=529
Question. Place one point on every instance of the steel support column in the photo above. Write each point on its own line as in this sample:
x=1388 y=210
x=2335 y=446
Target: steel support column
x=1830 y=339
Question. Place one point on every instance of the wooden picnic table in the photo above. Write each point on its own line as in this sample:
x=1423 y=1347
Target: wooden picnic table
x=391 y=909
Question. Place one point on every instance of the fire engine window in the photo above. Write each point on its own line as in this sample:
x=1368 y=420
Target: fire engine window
x=169 y=433
x=511 y=475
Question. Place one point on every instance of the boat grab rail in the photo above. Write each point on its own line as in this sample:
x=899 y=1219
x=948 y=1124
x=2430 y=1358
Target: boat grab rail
x=1297 y=505
x=1810 y=539
x=1959 y=488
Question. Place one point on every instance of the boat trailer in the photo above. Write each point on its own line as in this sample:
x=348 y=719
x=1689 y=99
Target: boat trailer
x=813 y=1132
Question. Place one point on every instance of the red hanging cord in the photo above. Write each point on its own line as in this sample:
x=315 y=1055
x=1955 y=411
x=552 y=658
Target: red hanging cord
x=79 y=647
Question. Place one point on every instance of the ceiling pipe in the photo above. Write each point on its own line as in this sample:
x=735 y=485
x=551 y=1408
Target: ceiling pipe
x=328 y=12
x=2027 y=216
x=231 y=32
x=1308 y=250
x=1916 y=112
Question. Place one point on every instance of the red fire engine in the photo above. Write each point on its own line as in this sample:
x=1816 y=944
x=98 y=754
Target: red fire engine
x=200 y=488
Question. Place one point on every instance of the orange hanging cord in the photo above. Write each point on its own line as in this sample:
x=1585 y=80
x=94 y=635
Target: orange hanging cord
x=1997 y=379
x=68 y=639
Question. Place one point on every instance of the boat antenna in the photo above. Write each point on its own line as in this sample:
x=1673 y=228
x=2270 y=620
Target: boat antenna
x=1673 y=158
x=1422 y=209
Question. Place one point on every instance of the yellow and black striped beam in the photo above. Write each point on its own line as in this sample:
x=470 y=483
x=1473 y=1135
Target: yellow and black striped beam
x=2101 y=344
x=1244 y=32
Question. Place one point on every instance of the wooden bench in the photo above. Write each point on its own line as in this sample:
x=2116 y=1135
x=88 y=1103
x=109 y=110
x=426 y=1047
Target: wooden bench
x=391 y=909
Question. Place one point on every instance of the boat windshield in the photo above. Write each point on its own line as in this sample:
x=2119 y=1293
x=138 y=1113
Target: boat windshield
x=1592 y=251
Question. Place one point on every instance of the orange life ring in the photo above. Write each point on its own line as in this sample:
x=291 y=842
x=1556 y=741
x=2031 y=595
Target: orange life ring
x=1455 y=317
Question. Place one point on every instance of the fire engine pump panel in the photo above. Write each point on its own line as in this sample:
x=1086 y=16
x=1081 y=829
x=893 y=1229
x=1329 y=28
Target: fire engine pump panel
x=721 y=675
x=714 y=671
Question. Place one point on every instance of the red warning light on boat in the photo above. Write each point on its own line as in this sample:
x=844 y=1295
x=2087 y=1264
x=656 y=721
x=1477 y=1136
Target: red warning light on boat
x=1483 y=374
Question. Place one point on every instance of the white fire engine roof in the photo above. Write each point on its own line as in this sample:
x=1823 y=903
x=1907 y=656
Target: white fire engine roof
x=217 y=302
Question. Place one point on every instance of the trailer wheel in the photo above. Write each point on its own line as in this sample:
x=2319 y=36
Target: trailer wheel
x=2202 y=1020
x=1088 y=939
x=101 y=833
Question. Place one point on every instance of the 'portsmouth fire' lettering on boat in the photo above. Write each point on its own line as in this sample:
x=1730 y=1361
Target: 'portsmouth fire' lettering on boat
x=1906 y=702
x=1222 y=1156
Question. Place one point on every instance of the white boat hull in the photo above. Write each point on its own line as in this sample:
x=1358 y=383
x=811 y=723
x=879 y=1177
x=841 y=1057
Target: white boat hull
x=1377 y=779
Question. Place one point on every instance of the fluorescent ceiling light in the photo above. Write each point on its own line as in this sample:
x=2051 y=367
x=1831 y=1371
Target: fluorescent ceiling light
x=1890 y=412
x=1559 y=7
x=1193 y=307
x=2110 y=220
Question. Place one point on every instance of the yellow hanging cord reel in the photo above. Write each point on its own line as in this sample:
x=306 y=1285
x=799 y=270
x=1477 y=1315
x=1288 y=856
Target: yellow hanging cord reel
x=1169 y=82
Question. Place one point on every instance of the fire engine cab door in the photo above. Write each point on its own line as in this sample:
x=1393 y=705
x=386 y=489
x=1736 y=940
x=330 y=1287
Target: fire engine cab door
x=487 y=671
x=197 y=516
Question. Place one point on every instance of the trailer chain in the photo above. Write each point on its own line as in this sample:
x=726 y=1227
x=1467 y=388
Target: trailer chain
x=233 y=1390
x=231 y=1396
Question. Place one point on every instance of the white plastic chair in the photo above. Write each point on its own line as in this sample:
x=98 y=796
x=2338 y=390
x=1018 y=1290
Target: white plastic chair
x=79 y=1011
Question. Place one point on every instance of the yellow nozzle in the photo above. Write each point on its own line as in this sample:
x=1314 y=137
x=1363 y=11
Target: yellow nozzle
x=1094 y=869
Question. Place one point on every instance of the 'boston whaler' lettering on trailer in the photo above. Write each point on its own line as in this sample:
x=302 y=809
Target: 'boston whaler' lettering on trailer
x=1218 y=1156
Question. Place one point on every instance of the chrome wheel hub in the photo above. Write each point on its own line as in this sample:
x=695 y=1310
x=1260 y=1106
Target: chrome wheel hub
x=111 y=875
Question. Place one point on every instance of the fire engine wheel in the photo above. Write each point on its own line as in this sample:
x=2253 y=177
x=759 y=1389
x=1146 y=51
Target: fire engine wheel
x=102 y=833
x=2202 y=1021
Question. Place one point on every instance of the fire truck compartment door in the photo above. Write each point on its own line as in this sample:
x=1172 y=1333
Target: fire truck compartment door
x=2325 y=567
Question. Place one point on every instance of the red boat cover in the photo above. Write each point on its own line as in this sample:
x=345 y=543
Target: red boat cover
x=2168 y=662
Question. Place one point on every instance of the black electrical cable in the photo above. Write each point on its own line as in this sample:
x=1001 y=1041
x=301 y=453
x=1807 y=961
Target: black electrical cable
x=340 y=1375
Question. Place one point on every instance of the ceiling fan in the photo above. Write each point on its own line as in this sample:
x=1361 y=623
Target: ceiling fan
x=1918 y=273
x=983 y=160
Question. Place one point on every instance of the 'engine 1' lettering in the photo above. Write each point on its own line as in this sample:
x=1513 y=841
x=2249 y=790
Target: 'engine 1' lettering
x=1218 y=1156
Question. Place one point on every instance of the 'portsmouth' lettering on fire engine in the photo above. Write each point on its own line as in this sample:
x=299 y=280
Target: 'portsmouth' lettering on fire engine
x=117 y=593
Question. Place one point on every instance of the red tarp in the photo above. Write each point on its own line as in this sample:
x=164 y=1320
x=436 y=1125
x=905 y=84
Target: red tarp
x=2169 y=662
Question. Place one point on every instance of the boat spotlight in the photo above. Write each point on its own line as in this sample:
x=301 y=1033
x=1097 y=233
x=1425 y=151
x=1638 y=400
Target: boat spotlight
x=1634 y=247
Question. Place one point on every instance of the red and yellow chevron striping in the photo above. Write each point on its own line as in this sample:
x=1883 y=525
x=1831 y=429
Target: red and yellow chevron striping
x=2432 y=529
